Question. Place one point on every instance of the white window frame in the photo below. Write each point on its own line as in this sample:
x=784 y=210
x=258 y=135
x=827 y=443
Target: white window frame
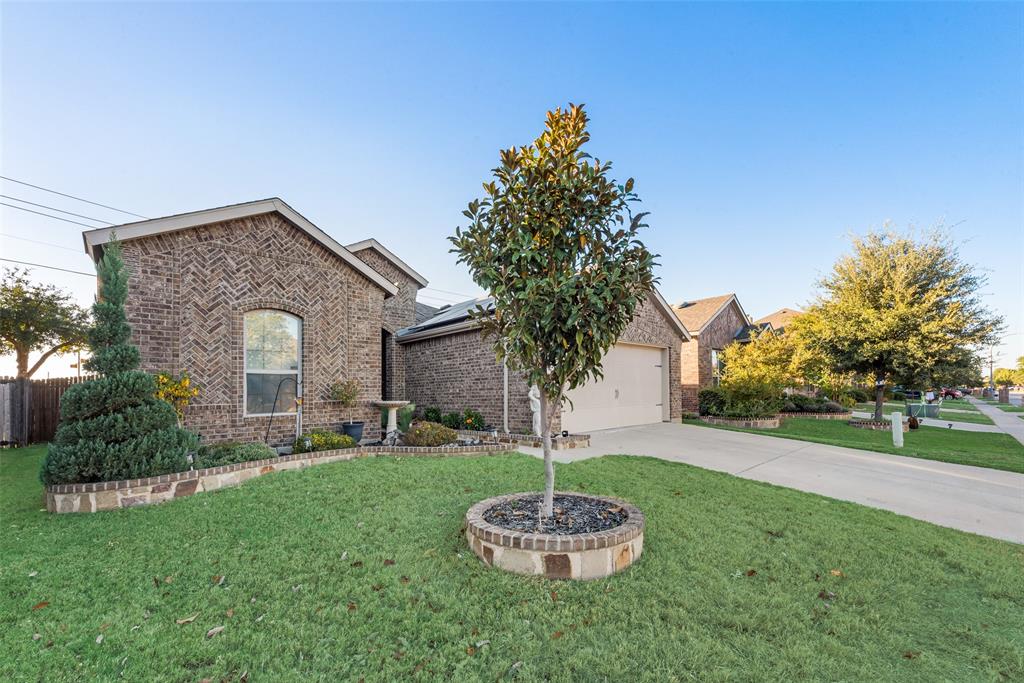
x=716 y=367
x=246 y=371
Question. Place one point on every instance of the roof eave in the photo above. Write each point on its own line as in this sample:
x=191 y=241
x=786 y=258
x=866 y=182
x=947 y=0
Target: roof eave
x=372 y=243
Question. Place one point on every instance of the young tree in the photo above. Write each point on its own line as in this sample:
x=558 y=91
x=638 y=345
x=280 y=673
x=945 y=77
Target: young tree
x=761 y=368
x=898 y=308
x=37 y=318
x=1005 y=377
x=114 y=427
x=555 y=243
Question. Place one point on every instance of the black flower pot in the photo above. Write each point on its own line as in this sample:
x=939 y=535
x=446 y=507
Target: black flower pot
x=353 y=429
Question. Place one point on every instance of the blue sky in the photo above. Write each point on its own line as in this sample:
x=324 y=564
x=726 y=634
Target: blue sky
x=760 y=136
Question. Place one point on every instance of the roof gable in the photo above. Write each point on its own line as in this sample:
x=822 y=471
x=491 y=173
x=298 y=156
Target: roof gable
x=696 y=315
x=782 y=317
x=387 y=253
x=95 y=239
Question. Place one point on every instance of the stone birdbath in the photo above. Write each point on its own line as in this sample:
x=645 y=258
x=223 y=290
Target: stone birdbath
x=391 y=438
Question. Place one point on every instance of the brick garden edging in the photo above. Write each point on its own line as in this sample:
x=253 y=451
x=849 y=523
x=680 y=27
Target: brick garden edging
x=579 y=556
x=558 y=443
x=745 y=422
x=877 y=425
x=110 y=495
x=819 y=416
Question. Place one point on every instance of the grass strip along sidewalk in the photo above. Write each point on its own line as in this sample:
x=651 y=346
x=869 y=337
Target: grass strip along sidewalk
x=360 y=570
x=944 y=415
x=981 y=449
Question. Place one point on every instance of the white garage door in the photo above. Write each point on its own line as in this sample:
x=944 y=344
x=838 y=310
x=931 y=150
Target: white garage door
x=629 y=394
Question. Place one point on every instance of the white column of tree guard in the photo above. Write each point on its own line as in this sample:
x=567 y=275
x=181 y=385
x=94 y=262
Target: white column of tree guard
x=504 y=407
x=897 y=429
x=535 y=407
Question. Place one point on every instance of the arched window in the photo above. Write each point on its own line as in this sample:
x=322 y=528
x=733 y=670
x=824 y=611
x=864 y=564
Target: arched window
x=273 y=361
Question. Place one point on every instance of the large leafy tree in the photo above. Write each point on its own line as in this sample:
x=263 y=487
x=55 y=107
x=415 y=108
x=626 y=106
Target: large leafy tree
x=37 y=318
x=555 y=243
x=114 y=427
x=899 y=308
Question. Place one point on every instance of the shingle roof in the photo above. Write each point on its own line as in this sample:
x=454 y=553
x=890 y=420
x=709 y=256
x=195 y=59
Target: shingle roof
x=696 y=314
x=780 y=318
x=448 y=315
x=744 y=334
x=423 y=311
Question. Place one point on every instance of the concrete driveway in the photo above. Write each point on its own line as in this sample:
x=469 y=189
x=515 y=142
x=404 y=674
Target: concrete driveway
x=983 y=501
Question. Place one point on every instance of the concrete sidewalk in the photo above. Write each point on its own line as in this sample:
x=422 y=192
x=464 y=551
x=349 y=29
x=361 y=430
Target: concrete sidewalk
x=983 y=501
x=1006 y=422
x=941 y=422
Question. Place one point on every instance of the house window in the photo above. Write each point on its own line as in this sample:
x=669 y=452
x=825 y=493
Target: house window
x=273 y=366
x=716 y=368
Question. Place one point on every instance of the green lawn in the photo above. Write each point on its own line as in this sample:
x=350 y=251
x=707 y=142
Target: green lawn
x=959 y=404
x=981 y=449
x=739 y=581
x=1010 y=409
x=945 y=415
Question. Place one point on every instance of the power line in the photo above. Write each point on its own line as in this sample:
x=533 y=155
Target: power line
x=40 y=265
x=71 y=196
x=49 y=244
x=54 y=208
x=56 y=218
x=445 y=291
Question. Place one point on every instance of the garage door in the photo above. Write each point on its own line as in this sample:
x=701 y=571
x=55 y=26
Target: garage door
x=629 y=394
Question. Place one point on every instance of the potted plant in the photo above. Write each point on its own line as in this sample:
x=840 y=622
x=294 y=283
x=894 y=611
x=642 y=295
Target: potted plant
x=346 y=392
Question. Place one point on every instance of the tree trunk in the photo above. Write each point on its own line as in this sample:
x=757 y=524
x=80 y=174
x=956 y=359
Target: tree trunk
x=879 y=396
x=549 y=467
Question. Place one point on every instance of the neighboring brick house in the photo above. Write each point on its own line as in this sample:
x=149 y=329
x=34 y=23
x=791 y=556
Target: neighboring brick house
x=253 y=300
x=714 y=323
x=451 y=367
x=780 y=319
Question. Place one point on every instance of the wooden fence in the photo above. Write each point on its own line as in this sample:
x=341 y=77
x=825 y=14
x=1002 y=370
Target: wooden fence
x=30 y=409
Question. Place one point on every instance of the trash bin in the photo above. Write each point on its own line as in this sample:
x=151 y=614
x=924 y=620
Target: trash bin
x=916 y=409
x=931 y=410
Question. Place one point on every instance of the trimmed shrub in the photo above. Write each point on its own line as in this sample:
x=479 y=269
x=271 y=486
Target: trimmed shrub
x=228 y=453
x=429 y=434
x=859 y=395
x=321 y=440
x=711 y=401
x=114 y=427
x=432 y=414
x=471 y=419
x=752 y=407
x=452 y=421
x=798 y=403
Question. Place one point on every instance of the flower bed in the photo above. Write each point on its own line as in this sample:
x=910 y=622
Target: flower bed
x=110 y=495
x=745 y=422
x=877 y=425
x=819 y=416
x=557 y=555
x=532 y=440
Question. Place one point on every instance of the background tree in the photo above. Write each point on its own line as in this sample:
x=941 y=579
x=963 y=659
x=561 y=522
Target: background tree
x=555 y=244
x=1005 y=377
x=37 y=318
x=114 y=427
x=898 y=307
x=758 y=371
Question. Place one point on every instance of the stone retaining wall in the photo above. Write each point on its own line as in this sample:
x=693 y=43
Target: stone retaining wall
x=745 y=422
x=558 y=443
x=110 y=495
x=579 y=556
x=877 y=425
x=819 y=416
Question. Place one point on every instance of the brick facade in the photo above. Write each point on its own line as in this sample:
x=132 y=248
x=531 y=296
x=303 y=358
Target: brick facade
x=189 y=291
x=399 y=312
x=459 y=371
x=697 y=372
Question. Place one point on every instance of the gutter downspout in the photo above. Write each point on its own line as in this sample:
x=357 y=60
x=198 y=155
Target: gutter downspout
x=504 y=369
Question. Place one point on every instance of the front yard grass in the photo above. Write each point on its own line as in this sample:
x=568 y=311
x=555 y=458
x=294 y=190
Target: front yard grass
x=1010 y=409
x=360 y=570
x=946 y=415
x=981 y=449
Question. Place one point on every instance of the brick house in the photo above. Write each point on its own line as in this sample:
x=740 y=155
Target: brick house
x=260 y=306
x=780 y=319
x=451 y=367
x=714 y=323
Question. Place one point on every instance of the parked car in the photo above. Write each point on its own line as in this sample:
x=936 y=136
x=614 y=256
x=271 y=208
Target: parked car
x=948 y=392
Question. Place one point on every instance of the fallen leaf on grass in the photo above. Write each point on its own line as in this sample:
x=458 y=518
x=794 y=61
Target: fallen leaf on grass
x=168 y=579
x=826 y=595
x=41 y=605
x=352 y=607
x=482 y=643
x=260 y=617
x=99 y=639
x=470 y=650
x=218 y=580
x=388 y=563
x=214 y=631
x=837 y=572
x=37 y=636
x=357 y=564
x=230 y=613
x=344 y=555
x=911 y=654
x=377 y=586
x=244 y=678
x=554 y=596
x=751 y=572
x=32 y=575
x=556 y=635
x=404 y=579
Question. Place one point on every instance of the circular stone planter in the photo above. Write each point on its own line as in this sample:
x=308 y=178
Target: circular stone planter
x=557 y=556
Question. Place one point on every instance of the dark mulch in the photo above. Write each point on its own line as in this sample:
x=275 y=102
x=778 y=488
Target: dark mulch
x=573 y=515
